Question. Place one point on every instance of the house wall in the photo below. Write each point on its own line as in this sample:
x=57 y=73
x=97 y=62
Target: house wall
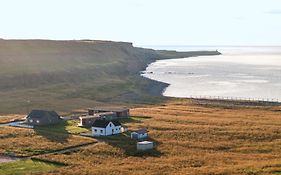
x=124 y=113
x=144 y=147
x=96 y=131
x=109 y=130
x=115 y=129
x=87 y=121
x=41 y=121
x=135 y=135
x=141 y=136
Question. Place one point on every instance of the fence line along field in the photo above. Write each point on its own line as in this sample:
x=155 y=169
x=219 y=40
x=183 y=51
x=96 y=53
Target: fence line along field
x=190 y=139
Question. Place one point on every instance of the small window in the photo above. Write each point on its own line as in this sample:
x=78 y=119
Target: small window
x=30 y=120
x=101 y=131
x=110 y=125
x=37 y=121
x=95 y=130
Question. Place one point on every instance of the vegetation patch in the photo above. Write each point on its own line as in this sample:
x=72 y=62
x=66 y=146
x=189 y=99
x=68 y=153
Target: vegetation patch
x=9 y=118
x=28 y=142
x=28 y=166
x=189 y=138
x=65 y=127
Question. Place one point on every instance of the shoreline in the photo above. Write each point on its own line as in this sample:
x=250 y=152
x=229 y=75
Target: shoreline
x=160 y=87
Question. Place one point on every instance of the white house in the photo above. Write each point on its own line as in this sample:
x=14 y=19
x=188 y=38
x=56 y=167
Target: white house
x=103 y=127
x=139 y=134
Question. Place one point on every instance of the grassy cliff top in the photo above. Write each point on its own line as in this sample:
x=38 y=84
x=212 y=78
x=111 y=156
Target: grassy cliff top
x=65 y=75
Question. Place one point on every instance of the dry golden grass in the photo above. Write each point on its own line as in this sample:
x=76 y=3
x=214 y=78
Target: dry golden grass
x=8 y=118
x=27 y=142
x=191 y=139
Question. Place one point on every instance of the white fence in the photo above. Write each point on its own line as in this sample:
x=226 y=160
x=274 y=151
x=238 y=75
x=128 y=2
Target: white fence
x=271 y=100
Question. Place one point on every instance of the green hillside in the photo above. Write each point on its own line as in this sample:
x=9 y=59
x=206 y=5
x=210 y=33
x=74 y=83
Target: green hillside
x=65 y=75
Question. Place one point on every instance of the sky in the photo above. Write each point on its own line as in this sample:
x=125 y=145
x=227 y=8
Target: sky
x=145 y=22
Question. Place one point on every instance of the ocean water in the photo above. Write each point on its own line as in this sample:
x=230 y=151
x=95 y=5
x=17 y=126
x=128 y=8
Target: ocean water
x=240 y=72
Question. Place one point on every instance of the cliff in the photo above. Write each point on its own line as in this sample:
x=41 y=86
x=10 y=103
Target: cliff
x=64 y=75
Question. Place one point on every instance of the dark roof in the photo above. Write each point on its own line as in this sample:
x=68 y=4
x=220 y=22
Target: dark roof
x=110 y=109
x=102 y=123
x=37 y=114
x=141 y=131
x=116 y=122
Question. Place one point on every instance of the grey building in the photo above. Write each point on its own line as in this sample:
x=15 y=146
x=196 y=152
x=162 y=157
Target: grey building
x=43 y=117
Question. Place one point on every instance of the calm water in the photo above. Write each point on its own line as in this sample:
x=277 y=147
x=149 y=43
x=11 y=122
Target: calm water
x=245 y=72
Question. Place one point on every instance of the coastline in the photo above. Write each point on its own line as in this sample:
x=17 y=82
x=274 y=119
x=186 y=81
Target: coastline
x=157 y=88
x=77 y=74
x=160 y=87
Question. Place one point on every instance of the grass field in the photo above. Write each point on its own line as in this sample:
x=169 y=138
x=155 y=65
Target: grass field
x=28 y=142
x=8 y=118
x=25 y=167
x=65 y=127
x=190 y=139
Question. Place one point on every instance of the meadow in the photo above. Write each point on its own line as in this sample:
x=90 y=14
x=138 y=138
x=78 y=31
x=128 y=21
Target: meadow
x=190 y=138
x=41 y=140
x=26 y=167
x=8 y=118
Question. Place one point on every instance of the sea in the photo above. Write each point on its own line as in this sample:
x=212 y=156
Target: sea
x=241 y=72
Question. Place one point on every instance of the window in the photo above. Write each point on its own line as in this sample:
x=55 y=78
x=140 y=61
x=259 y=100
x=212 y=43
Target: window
x=110 y=125
x=101 y=131
x=95 y=130
x=37 y=121
x=30 y=120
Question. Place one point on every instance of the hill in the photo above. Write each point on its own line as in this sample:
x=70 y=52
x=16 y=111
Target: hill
x=65 y=75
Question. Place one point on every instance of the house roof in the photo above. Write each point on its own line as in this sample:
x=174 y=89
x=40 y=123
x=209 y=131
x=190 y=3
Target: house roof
x=110 y=109
x=144 y=143
x=89 y=116
x=38 y=114
x=102 y=123
x=141 y=131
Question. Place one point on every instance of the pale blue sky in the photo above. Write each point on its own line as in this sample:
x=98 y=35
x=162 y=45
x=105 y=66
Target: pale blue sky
x=145 y=22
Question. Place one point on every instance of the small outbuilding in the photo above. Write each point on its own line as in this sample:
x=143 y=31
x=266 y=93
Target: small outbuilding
x=43 y=117
x=140 y=134
x=103 y=127
x=88 y=120
x=120 y=112
x=144 y=146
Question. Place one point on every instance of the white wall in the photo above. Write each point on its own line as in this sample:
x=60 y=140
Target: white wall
x=99 y=132
x=106 y=131
x=140 y=136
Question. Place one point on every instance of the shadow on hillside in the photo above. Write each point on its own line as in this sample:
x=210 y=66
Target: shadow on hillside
x=129 y=146
x=54 y=133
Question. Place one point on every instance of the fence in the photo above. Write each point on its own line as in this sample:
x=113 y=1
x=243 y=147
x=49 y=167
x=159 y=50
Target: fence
x=270 y=100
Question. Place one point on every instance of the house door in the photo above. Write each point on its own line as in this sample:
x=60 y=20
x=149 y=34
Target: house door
x=112 y=131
